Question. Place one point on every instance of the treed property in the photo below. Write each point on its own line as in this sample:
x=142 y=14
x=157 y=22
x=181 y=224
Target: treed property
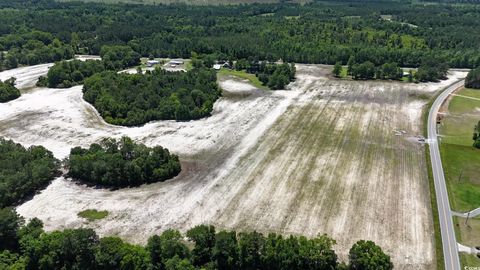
x=256 y=38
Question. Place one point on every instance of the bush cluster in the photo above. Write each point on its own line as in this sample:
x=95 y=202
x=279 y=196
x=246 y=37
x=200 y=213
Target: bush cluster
x=8 y=91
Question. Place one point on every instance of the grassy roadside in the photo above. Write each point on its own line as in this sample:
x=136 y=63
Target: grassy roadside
x=465 y=234
x=460 y=162
x=244 y=75
x=436 y=221
x=433 y=197
x=459 y=157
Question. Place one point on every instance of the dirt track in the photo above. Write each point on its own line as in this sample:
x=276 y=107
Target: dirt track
x=320 y=158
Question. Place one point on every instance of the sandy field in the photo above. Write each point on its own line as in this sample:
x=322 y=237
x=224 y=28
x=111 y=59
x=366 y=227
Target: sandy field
x=324 y=156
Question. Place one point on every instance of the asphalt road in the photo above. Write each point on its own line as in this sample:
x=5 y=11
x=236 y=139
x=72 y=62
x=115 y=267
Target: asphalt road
x=471 y=214
x=450 y=247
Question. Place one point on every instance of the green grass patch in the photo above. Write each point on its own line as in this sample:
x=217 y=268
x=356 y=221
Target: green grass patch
x=244 y=75
x=461 y=104
x=468 y=260
x=93 y=214
x=461 y=161
x=343 y=73
x=188 y=65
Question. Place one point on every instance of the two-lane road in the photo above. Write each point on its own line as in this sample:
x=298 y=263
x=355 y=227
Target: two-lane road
x=450 y=248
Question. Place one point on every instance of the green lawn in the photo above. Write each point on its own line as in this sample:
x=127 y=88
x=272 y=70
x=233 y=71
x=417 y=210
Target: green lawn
x=469 y=260
x=244 y=75
x=93 y=214
x=461 y=163
x=461 y=160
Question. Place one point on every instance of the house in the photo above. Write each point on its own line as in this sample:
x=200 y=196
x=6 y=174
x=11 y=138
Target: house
x=217 y=66
x=176 y=62
x=151 y=63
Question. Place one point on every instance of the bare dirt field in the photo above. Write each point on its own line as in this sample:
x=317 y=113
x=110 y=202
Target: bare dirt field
x=326 y=156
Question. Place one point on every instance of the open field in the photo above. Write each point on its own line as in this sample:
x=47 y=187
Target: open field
x=461 y=162
x=326 y=156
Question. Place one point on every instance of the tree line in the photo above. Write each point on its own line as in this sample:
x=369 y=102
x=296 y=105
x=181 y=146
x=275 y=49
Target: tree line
x=8 y=91
x=135 y=99
x=28 y=246
x=430 y=70
x=121 y=163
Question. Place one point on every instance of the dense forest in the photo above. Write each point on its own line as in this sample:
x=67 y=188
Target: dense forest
x=121 y=163
x=66 y=74
x=8 y=91
x=318 y=32
x=473 y=79
x=27 y=246
x=27 y=47
x=23 y=171
x=135 y=99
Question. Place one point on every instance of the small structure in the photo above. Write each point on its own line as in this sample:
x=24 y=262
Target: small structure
x=221 y=64
x=151 y=63
x=176 y=62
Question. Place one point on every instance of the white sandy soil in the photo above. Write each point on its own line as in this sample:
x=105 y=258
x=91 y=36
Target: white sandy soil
x=296 y=161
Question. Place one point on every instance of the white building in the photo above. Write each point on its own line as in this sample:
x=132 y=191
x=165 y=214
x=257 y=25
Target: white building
x=151 y=63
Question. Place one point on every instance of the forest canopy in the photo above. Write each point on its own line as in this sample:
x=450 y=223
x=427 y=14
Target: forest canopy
x=66 y=74
x=31 y=48
x=8 y=91
x=23 y=171
x=122 y=163
x=317 y=32
x=119 y=57
x=135 y=99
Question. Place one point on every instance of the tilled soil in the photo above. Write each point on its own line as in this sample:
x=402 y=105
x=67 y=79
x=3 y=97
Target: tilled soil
x=326 y=156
